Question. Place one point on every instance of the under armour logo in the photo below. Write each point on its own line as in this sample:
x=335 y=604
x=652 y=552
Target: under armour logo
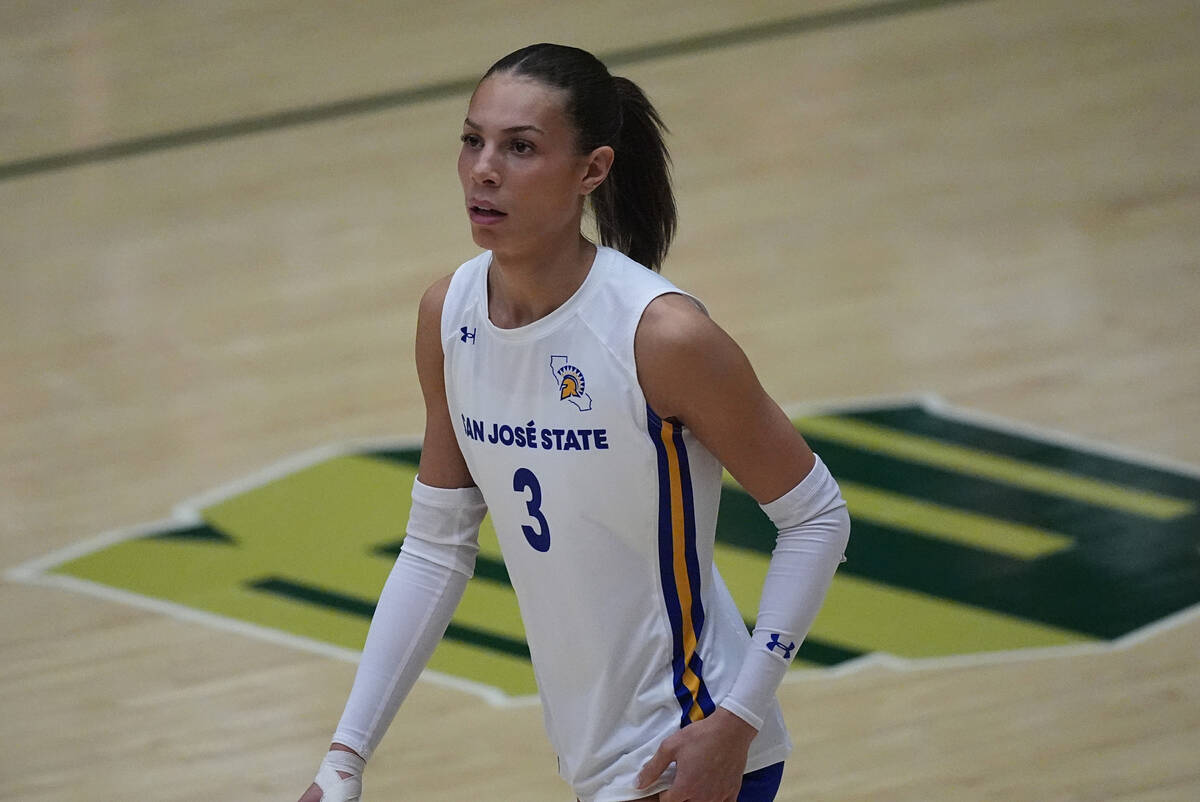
x=787 y=650
x=468 y=335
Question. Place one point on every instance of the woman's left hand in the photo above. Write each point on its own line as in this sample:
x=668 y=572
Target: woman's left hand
x=709 y=758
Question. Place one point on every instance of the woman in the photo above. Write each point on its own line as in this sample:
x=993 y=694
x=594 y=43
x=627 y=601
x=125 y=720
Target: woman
x=590 y=406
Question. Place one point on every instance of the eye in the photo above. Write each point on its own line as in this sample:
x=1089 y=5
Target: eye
x=471 y=140
x=520 y=146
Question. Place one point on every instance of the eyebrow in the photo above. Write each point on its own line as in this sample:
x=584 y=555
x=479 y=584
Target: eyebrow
x=515 y=129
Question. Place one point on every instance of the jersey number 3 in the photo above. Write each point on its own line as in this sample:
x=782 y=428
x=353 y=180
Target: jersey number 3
x=539 y=538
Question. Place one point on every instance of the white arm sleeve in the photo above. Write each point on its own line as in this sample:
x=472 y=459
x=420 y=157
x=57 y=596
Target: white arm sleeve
x=414 y=609
x=813 y=531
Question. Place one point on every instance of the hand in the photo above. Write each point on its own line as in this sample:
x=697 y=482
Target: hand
x=315 y=794
x=709 y=758
x=339 y=778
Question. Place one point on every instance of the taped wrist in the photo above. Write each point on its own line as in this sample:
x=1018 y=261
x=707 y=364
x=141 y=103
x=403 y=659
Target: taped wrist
x=334 y=787
x=443 y=526
x=813 y=531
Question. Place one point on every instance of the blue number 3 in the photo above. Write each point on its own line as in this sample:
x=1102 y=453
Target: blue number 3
x=538 y=538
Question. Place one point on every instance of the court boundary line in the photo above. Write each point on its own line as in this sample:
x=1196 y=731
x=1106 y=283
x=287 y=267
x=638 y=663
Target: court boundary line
x=32 y=574
x=935 y=403
x=187 y=513
x=441 y=90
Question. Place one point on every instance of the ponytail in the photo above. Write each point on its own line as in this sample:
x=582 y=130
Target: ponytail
x=634 y=207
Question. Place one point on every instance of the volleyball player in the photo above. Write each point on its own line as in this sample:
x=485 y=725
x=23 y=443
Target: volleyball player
x=591 y=406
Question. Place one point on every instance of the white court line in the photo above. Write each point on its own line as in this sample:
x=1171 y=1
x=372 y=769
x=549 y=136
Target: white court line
x=932 y=402
x=188 y=513
x=489 y=694
x=980 y=659
x=287 y=466
x=935 y=403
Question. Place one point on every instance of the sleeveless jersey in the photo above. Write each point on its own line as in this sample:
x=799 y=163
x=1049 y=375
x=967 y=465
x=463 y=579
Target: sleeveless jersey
x=606 y=516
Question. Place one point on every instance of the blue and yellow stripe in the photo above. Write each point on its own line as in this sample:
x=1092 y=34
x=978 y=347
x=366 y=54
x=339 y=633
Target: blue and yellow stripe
x=679 y=567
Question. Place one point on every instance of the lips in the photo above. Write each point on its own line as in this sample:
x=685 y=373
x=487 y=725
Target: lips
x=483 y=212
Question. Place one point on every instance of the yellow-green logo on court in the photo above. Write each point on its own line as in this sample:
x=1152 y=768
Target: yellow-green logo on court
x=968 y=538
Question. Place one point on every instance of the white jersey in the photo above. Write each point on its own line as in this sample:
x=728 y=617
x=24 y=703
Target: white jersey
x=606 y=517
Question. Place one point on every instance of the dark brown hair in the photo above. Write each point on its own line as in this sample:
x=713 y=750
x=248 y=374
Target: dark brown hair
x=635 y=206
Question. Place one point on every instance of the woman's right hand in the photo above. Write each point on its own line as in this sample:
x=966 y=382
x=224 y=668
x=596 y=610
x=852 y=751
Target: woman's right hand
x=339 y=778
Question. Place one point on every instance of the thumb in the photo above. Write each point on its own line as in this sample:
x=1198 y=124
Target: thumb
x=313 y=794
x=656 y=765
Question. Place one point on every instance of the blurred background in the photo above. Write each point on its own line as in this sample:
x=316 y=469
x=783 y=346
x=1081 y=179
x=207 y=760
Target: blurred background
x=216 y=220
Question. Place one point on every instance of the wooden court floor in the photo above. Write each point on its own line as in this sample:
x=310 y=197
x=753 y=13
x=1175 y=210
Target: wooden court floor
x=216 y=219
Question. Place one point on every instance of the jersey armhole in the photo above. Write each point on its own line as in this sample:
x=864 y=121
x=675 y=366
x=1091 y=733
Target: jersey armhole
x=460 y=294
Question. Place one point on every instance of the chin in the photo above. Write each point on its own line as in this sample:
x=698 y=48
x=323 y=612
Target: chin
x=485 y=241
x=488 y=238
x=483 y=238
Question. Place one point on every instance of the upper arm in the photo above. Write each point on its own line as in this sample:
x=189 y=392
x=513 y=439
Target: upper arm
x=442 y=463
x=691 y=370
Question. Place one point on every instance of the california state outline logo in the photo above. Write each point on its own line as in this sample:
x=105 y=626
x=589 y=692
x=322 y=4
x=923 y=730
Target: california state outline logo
x=572 y=387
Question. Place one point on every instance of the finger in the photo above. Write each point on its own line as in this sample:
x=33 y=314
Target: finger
x=351 y=791
x=313 y=794
x=655 y=766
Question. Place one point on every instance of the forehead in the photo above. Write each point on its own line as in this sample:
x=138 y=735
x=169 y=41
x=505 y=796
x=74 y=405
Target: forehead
x=504 y=100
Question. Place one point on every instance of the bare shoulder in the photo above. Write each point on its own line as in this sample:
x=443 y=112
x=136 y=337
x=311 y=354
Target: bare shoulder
x=674 y=327
x=673 y=316
x=429 y=331
x=442 y=463
x=691 y=371
x=430 y=309
x=678 y=346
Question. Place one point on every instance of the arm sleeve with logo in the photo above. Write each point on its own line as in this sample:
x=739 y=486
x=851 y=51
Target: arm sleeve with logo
x=414 y=609
x=813 y=531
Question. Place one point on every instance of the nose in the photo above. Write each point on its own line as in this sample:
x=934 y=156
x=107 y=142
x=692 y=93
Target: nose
x=484 y=170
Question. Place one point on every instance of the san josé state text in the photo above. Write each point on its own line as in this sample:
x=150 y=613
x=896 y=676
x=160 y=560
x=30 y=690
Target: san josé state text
x=528 y=435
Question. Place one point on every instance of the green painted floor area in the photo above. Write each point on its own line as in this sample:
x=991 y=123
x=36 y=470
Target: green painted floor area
x=966 y=539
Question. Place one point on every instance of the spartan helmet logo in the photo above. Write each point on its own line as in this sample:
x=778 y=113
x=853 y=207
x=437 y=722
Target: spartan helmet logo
x=571 y=384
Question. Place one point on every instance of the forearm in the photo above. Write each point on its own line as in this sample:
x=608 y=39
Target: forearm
x=813 y=531
x=414 y=610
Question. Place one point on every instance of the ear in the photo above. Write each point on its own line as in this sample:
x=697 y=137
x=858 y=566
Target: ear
x=599 y=162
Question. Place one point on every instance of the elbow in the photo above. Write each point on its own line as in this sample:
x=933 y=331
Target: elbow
x=458 y=557
x=842 y=535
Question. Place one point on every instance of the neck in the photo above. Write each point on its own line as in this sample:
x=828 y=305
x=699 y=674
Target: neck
x=524 y=287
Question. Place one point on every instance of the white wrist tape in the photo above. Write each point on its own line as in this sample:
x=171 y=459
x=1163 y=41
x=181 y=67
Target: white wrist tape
x=414 y=609
x=813 y=531
x=334 y=787
x=443 y=526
